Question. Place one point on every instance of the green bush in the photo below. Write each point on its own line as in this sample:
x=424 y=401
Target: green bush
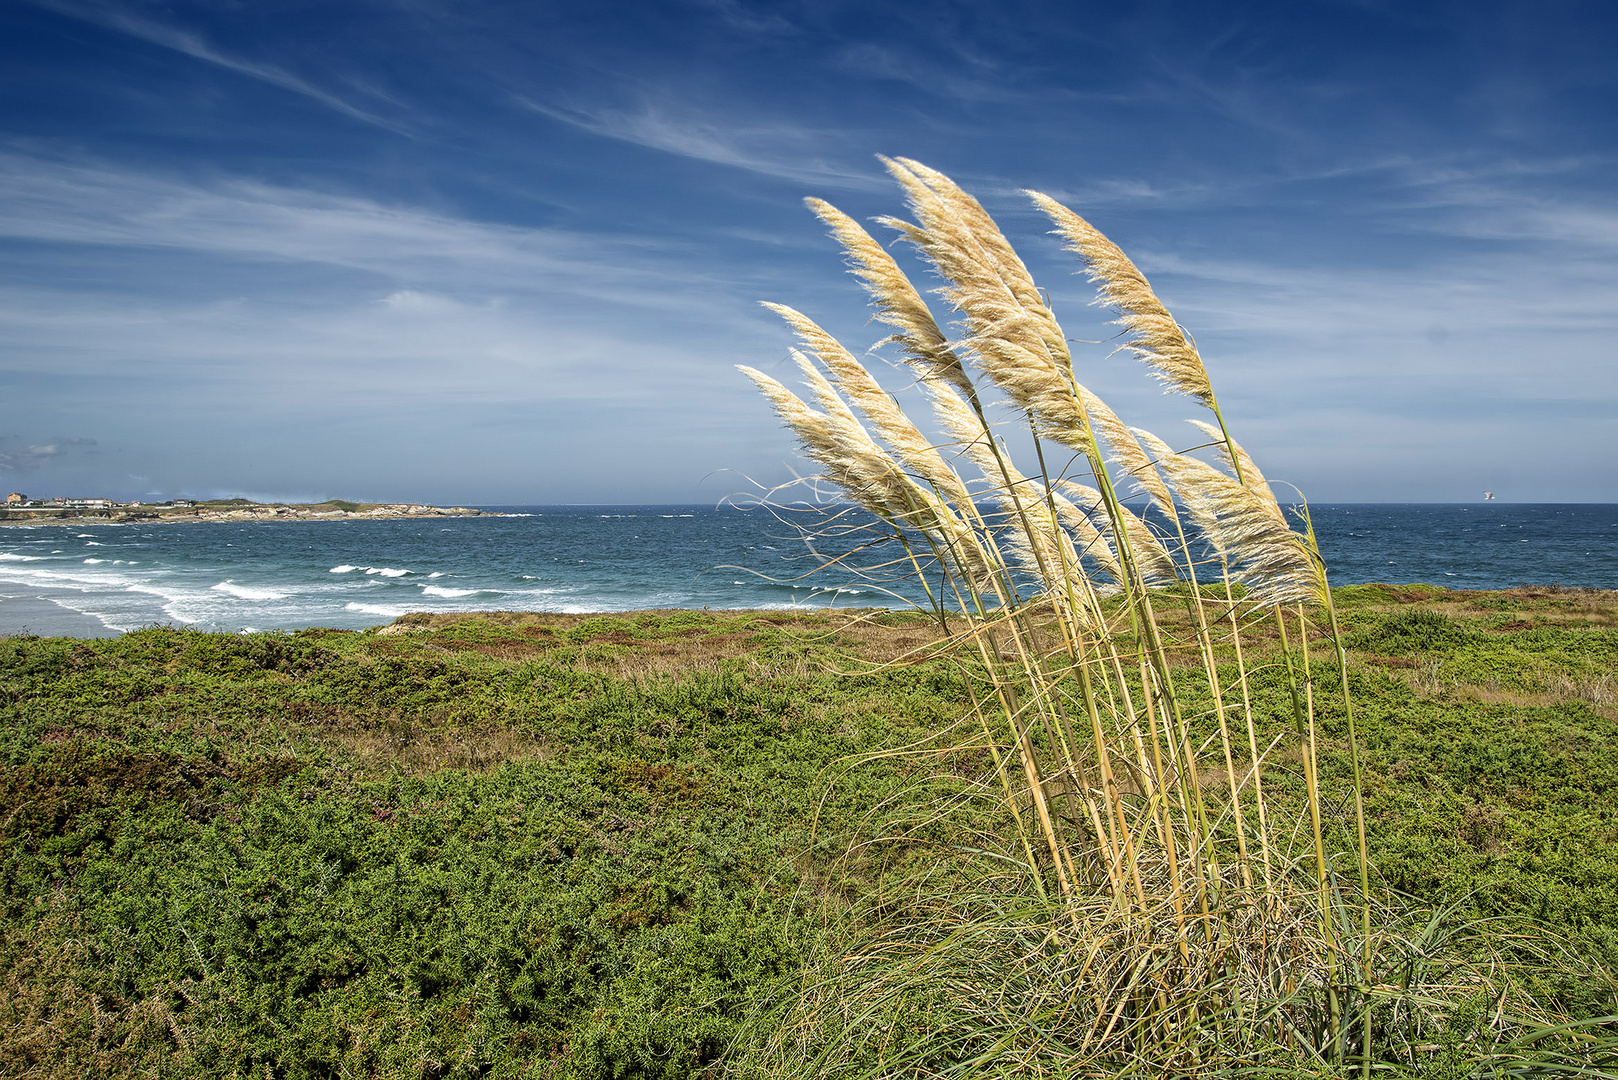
x=1411 y=630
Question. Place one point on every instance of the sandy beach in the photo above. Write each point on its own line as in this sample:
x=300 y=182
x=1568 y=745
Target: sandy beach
x=33 y=611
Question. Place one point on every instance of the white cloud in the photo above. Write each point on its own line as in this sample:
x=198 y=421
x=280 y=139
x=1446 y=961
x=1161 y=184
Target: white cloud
x=15 y=458
x=411 y=302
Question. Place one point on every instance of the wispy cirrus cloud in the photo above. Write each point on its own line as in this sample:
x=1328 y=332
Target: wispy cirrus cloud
x=1510 y=204
x=194 y=45
x=958 y=75
x=91 y=202
x=748 y=19
x=779 y=150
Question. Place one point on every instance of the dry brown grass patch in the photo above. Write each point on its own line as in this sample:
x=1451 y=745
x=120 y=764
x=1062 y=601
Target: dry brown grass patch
x=870 y=634
x=43 y=1009
x=417 y=753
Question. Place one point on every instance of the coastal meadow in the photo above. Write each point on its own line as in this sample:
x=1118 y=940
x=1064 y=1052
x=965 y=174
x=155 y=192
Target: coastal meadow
x=559 y=846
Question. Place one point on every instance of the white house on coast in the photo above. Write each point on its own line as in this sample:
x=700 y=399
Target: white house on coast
x=17 y=500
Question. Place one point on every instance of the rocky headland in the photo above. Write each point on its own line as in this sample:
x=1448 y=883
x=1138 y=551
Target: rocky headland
x=235 y=510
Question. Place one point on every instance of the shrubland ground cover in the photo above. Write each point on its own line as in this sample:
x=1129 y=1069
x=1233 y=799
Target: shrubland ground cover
x=594 y=847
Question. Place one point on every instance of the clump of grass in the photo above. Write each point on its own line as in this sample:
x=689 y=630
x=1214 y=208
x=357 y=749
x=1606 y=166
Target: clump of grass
x=1599 y=689
x=1136 y=911
x=1427 y=676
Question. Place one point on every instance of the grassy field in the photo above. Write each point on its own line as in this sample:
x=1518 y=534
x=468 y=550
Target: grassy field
x=595 y=846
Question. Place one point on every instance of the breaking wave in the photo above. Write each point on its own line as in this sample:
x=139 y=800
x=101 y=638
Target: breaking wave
x=242 y=592
x=449 y=594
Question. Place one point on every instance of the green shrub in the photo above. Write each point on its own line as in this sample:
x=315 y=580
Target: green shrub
x=1411 y=630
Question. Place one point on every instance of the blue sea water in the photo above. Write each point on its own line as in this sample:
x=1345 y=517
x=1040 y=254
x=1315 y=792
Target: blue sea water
x=285 y=575
x=1490 y=545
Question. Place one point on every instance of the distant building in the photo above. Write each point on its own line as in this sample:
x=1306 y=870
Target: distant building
x=16 y=498
x=87 y=504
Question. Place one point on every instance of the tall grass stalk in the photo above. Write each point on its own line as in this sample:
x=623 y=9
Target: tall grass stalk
x=1161 y=912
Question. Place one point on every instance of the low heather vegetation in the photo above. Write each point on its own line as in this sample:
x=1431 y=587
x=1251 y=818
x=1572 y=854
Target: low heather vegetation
x=555 y=846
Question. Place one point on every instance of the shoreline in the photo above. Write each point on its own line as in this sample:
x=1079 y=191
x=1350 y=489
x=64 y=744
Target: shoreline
x=250 y=512
x=31 y=611
x=36 y=611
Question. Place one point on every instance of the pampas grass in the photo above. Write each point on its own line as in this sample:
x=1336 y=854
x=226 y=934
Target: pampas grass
x=1150 y=904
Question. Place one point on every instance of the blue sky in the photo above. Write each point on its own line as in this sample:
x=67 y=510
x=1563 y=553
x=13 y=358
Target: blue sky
x=509 y=252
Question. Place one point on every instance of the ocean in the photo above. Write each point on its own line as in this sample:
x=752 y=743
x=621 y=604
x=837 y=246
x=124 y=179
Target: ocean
x=94 y=580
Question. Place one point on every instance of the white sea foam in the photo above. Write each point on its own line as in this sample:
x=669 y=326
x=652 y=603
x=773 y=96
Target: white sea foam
x=436 y=573
x=244 y=593
x=117 y=601
x=437 y=590
x=92 y=543
x=84 y=536
x=6 y=556
x=92 y=562
x=386 y=571
x=374 y=609
x=83 y=580
x=343 y=569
